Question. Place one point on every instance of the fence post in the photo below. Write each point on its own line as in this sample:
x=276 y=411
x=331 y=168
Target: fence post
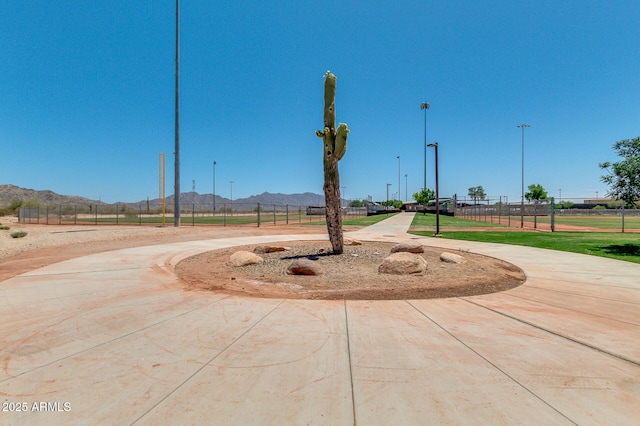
x=623 y=217
x=287 y=214
x=224 y=214
x=117 y=211
x=553 y=215
x=140 y=215
x=193 y=214
x=258 y=215
x=274 y=214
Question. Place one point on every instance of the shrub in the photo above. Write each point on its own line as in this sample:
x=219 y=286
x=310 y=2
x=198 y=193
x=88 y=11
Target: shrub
x=4 y=228
x=19 y=234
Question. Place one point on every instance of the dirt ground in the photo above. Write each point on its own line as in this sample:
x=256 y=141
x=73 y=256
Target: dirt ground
x=353 y=275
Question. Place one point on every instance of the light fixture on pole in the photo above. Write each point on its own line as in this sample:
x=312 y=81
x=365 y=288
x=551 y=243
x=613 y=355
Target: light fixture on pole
x=522 y=126
x=437 y=234
x=425 y=106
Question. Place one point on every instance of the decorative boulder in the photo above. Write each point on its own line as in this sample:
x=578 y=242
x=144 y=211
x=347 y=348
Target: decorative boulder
x=244 y=258
x=304 y=267
x=407 y=247
x=403 y=263
x=452 y=258
x=270 y=249
x=352 y=242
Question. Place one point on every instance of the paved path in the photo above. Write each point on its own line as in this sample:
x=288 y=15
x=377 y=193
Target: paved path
x=110 y=339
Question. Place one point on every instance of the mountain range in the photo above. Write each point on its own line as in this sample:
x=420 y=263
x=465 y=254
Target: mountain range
x=11 y=193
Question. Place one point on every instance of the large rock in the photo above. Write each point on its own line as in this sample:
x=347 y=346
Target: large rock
x=304 y=267
x=244 y=258
x=452 y=258
x=270 y=249
x=403 y=263
x=407 y=247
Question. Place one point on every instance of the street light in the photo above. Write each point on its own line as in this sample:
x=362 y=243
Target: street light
x=176 y=196
x=522 y=126
x=387 y=206
x=425 y=106
x=214 y=186
x=399 y=196
x=406 y=185
x=435 y=145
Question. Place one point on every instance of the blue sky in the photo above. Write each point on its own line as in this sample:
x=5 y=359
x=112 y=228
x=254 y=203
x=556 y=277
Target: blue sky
x=87 y=94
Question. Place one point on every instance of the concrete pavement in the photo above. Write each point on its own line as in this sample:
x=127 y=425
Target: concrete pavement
x=110 y=339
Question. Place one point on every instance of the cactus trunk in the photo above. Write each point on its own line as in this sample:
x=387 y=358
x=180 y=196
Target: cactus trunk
x=335 y=146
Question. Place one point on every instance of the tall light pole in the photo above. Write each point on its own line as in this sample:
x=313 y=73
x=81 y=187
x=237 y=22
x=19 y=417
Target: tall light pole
x=406 y=186
x=425 y=106
x=387 y=206
x=214 y=185
x=522 y=126
x=435 y=145
x=399 y=196
x=176 y=195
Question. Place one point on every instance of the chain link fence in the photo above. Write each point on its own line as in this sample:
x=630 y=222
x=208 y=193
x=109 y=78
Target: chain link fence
x=570 y=214
x=226 y=214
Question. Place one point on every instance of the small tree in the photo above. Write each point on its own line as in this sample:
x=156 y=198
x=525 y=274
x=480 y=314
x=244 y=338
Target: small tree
x=424 y=196
x=536 y=194
x=477 y=193
x=624 y=176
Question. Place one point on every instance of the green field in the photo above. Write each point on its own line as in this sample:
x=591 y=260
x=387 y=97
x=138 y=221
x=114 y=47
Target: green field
x=594 y=221
x=605 y=244
x=422 y=220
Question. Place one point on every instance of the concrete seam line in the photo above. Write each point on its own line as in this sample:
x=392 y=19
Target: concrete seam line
x=353 y=399
x=112 y=340
x=562 y=336
x=513 y=379
x=573 y=310
x=233 y=342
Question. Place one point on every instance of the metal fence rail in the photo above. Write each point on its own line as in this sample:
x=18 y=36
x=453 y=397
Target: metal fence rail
x=551 y=217
x=195 y=214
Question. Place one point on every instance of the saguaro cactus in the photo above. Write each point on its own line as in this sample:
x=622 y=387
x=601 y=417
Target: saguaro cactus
x=335 y=145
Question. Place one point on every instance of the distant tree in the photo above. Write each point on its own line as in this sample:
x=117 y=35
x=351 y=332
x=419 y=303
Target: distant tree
x=565 y=205
x=477 y=193
x=624 y=176
x=536 y=193
x=358 y=203
x=424 y=196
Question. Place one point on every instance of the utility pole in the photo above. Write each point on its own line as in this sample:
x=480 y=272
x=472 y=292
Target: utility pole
x=176 y=195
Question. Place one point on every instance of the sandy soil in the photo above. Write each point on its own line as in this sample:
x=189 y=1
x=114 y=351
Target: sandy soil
x=353 y=275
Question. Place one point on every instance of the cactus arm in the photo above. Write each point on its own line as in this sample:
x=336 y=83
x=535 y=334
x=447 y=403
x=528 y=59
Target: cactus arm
x=341 y=141
x=329 y=100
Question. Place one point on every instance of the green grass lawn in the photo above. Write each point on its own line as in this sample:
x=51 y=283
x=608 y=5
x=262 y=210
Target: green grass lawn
x=605 y=244
x=420 y=220
x=594 y=221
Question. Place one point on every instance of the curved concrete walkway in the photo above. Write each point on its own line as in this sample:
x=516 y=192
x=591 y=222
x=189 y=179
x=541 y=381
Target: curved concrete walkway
x=109 y=339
